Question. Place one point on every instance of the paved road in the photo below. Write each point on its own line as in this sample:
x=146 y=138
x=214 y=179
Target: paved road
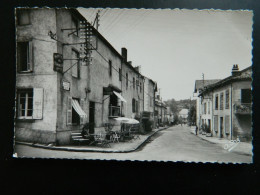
x=173 y=144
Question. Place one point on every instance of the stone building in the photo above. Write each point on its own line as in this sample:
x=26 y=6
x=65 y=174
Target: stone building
x=150 y=88
x=48 y=100
x=65 y=80
x=160 y=113
x=199 y=86
x=132 y=88
x=231 y=105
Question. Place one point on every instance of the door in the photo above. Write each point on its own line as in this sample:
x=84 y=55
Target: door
x=221 y=127
x=209 y=124
x=91 y=117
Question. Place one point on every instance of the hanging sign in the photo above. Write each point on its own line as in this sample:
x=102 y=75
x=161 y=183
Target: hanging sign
x=65 y=85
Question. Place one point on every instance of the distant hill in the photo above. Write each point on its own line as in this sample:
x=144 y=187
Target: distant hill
x=176 y=106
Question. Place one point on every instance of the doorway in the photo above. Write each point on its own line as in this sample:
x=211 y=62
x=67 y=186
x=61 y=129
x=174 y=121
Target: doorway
x=91 y=117
x=221 y=127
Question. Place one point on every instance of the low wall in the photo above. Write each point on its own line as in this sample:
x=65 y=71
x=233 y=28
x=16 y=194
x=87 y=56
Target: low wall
x=34 y=136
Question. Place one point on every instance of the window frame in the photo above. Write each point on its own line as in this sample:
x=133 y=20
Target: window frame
x=26 y=91
x=120 y=74
x=29 y=56
x=110 y=68
x=19 y=12
x=221 y=101
x=227 y=99
x=73 y=50
x=216 y=102
x=126 y=80
x=133 y=82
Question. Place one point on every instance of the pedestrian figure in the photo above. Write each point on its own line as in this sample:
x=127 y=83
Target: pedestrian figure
x=196 y=130
x=85 y=130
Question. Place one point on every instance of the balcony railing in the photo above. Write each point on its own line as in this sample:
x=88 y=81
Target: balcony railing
x=243 y=108
x=114 y=111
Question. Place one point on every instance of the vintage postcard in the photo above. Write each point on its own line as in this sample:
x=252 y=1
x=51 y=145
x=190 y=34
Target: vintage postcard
x=134 y=84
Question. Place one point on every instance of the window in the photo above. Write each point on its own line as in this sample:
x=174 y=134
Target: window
x=114 y=106
x=29 y=103
x=137 y=106
x=120 y=74
x=133 y=82
x=216 y=123
x=208 y=107
x=205 y=108
x=75 y=64
x=227 y=124
x=126 y=80
x=221 y=101
x=140 y=86
x=246 y=96
x=23 y=17
x=216 y=102
x=227 y=99
x=133 y=105
x=75 y=24
x=25 y=103
x=151 y=101
x=24 y=56
x=110 y=68
x=137 y=83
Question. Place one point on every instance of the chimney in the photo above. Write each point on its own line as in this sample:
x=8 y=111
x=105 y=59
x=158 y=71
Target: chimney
x=130 y=62
x=235 y=70
x=124 y=53
x=137 y=68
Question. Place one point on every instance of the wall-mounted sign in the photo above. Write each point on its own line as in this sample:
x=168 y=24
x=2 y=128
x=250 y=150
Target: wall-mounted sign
x=65 y=85
x=58 y=62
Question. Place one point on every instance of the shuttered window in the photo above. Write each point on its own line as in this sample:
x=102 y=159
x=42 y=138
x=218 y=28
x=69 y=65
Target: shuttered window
x=30 y=103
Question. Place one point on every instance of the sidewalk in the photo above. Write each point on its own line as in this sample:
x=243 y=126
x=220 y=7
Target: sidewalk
x=242 y=147
x=117 y=147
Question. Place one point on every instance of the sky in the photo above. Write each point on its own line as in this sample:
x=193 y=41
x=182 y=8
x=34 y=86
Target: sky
x=175 y=46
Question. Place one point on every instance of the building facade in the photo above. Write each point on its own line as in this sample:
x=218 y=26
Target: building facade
x=199 y=86
x=231 y=101
x=65 y=80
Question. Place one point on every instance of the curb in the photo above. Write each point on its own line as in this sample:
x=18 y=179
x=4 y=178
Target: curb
x=91 y=150
x=237 y=152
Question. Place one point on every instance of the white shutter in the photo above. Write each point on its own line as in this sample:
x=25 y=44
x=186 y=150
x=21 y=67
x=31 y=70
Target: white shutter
x=37 y=103
x=82 y=107
x=69 y=111
x=30 y=56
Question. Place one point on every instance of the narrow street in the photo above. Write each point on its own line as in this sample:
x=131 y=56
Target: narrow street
x=173 y=144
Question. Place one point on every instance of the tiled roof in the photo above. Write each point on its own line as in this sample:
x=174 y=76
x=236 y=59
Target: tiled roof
x=242 y=75
x=199 y=84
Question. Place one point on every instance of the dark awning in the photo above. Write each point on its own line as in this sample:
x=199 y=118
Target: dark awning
x=110 y=88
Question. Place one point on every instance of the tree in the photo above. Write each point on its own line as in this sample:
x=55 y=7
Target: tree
x=192 y=115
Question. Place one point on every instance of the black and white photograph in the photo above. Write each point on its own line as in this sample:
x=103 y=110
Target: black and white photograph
x=134 y=84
